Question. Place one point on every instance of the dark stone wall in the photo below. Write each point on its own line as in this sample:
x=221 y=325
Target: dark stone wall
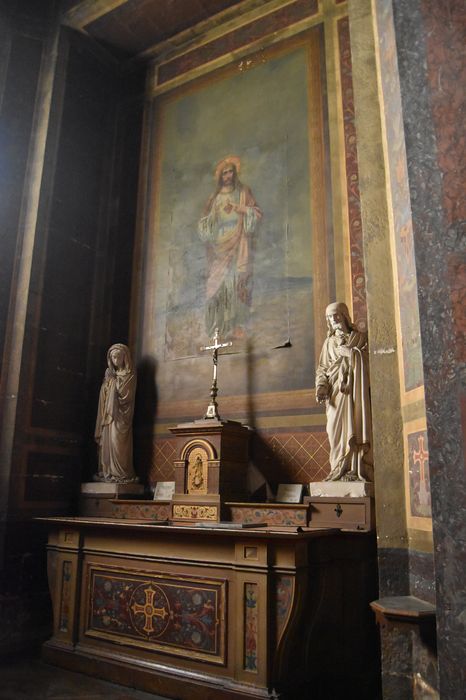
x=430 y=47
x=24 y=601
x=76 y=212
x=83 y=241
x=126 y=176
x=409 y=657
x=18 y=82
x=422 y=575
x=81 y=278
x=111 y=308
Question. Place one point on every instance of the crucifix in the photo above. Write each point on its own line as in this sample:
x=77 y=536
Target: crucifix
x=212 y=408
x=149 y=610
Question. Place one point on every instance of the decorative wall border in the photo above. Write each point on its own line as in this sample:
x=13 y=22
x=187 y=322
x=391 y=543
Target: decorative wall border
x=409 y=350
x=238 y=38
x=263 y=26
x=358 y=285
x=407 y=316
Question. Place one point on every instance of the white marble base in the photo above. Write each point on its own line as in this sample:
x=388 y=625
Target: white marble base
x=341 y=489
x=107 y=488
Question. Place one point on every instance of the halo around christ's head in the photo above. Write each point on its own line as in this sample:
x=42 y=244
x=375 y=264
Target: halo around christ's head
x=228 y=160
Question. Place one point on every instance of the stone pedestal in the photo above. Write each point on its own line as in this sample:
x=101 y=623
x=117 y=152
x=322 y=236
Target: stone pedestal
x=341 y=489
x=348 y=505
x=96 y=496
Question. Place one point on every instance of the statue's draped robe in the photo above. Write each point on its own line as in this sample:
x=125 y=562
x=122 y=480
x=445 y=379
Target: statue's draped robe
x=229 y=258
x=346 y=380
x=113 y=430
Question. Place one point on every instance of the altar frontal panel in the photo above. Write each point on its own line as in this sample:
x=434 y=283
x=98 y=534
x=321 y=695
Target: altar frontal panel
x=178 y=615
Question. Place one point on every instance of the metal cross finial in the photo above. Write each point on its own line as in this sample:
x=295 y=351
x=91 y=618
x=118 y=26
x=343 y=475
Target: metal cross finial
x=212 y=409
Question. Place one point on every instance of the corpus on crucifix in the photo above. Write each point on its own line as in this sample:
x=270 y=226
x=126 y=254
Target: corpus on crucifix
x=212 y=408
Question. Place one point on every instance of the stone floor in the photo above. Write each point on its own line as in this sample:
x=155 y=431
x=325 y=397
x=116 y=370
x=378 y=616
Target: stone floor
x=30 y=679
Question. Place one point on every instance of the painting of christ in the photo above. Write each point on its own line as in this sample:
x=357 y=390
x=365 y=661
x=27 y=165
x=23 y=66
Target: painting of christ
x=229 y=230
x=227 y=227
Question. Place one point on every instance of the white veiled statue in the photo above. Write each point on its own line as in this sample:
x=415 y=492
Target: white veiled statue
x=113 y=430
x=342 y=382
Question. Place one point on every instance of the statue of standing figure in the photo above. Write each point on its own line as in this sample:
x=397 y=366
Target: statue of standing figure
x=342 y=382
x=113 y=430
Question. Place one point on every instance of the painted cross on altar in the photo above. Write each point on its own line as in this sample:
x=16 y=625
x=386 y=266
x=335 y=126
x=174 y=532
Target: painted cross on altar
x=149 y=610
x=212 y=408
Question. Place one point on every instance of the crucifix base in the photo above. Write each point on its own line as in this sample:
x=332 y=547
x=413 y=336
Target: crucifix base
x=210 y=469
x=212 y=412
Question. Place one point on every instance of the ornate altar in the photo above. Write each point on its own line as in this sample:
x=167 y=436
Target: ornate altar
x=221 y=599
x=182 y=611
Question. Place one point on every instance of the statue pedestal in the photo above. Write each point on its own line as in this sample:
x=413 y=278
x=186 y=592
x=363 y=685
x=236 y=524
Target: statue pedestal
x=348 y=505
x=341 y=489
x=96 y=496
x=210 y=469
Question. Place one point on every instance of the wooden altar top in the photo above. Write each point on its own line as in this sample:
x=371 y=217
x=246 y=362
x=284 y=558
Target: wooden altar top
x=140 y=525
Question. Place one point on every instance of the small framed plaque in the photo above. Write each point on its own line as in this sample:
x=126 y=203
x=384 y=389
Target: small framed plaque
x=164 y=490
x=289 y=493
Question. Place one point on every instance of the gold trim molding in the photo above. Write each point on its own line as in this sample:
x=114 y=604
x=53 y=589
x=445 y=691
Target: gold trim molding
x=195 y=512
x=198 y=442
